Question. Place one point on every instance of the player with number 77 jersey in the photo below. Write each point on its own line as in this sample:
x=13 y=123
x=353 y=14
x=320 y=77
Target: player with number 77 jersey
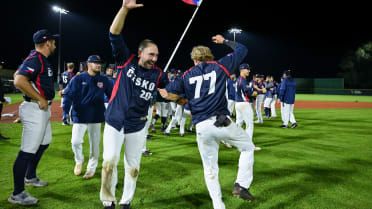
x=204 y=85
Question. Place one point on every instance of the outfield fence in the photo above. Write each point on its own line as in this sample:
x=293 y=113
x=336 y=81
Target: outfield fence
x=327 y=86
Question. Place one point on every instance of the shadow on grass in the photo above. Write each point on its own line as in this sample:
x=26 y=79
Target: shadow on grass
x=195 y=200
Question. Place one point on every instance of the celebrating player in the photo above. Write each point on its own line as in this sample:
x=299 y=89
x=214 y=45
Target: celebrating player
x=203 y=85
x=35 y=79
x=128 y=109
x=287 y=93
x=64 y=81
x=86 y=91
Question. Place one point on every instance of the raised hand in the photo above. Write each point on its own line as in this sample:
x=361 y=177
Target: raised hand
x=131 y=4
x=218 y=39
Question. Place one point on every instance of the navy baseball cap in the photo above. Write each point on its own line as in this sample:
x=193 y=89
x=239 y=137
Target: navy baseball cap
x=172 y=70
x=94 y=58
x=43 y=35
x=287 y=72
x=244 y=66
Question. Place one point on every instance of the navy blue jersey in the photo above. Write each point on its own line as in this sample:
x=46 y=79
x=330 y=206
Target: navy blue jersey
x=37 y=68
x=287 y=91
x=243 y=90
x=112 y=80
x=66 y=78
x=87 y=95
x=133 y=90
x=204 y=85
x=231 y=86
x=268 y=86
x=260 y=85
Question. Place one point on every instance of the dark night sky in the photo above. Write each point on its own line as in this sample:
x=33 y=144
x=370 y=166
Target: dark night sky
x=310 y=39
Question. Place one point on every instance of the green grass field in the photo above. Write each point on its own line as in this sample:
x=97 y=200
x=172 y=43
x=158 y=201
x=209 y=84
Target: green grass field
x=326 y=162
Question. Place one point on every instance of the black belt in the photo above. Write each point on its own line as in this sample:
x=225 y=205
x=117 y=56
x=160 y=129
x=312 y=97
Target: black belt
x=27 y=99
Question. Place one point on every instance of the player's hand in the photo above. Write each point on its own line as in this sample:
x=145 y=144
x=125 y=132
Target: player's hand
x=163 y=93
x=263 y=90
x=182 y=101
x=60 y=93
x=43 y=104
x=278 y=101
x=131 y=4
x=254 y=94
x=218 y=39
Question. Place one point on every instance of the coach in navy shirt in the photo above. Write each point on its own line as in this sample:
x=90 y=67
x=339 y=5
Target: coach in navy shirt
x=287 y=93
x=204 y=85
x=86 y=91
x=126 y=114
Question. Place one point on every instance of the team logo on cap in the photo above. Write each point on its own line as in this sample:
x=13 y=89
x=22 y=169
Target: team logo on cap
x=100 y=85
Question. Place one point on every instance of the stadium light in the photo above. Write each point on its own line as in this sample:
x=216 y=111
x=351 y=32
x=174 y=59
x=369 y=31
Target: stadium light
x=60 y=11
x=235 y=31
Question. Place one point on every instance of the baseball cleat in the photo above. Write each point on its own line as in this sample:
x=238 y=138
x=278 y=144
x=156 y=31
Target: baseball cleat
x=88 y=175
x=146 y=153
x=23 y=198
x=257 y=148
x=294 y=125
x=36 y=182
x=242 y=192
x=283 y=126
x=124 y=206
x=112 y=206
x=182 y=135
x=166 y=134
x=78 y=168
x=153 y=130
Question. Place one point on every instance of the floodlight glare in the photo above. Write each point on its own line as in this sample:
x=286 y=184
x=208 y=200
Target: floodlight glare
x=60 y=10
x=235 y=30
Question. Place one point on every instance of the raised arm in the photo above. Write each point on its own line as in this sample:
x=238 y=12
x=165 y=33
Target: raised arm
x=118 y=23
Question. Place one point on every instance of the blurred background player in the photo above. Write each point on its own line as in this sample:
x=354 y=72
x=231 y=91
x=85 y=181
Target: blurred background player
x=287 y=93
x=269 y=85
x=260 y=87
x=109 y=74
x=275 y=97
x=63 y=82
x=231 y=88
x=2 y=102
x=162 y=109
x=86 y=91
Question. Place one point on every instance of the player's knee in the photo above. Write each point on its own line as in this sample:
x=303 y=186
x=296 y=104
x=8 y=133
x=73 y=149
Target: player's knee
x=133 y=172
x=210 y=173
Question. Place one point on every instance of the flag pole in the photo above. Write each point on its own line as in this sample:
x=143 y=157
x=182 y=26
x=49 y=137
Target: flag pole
x=184 y=32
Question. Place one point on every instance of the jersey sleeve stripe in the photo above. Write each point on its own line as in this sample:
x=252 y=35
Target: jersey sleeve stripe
x=115 y=89
x=160 y=74
x=38 y=85
x=127 y=62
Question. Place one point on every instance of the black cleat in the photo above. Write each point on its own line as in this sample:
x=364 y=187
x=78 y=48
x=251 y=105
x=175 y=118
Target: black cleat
x=242 y=192
x=294 y=125
x=283 y=126
x=112 y=206
x=166 y=134
x=124 y=206
x=146 y=153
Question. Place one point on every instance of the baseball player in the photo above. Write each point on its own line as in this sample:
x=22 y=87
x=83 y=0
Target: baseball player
x=269 y=85
x=2 y=102
x=127 y=110
x=261 y=90
x=109 y=74
x=162 y=109
x=287 y=94
x=35 y=79
x=231 y=86
x=243 y=97
x=63 y=82
x=203 y=85
x=86 y=91
x=275 y=97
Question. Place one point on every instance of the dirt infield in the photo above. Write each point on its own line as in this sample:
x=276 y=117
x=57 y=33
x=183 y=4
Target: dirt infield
x=57 y=110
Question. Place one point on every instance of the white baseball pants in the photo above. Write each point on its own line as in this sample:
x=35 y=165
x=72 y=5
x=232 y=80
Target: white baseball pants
x=244 y=114
x=208 y=138
x=112 y=143
x=162 y=109
x=267 y=102
x=259 y=100
x=77 y=139
x=230 y=105
x=36 y=126
x=177 y=118
x=288 y=116
x=273 y=113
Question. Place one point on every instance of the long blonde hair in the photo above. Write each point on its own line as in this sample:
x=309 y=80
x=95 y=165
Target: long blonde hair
x=201 y=53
